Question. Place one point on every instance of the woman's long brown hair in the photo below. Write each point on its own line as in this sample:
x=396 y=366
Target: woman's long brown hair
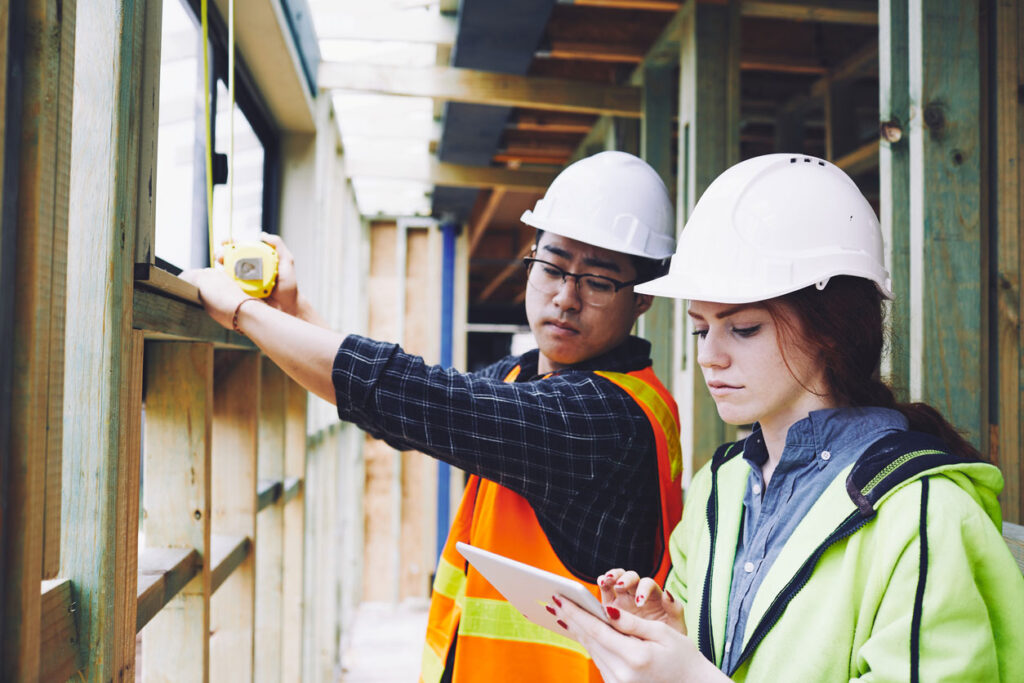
x=842 y=326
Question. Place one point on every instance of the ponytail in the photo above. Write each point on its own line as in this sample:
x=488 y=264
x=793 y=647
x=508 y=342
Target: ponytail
x=843 y=326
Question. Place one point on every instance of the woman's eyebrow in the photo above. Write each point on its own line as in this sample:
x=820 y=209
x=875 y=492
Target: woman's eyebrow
x=722 y=314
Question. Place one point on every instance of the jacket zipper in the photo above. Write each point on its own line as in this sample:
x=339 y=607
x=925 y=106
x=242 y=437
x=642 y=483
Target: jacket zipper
x=847 y=528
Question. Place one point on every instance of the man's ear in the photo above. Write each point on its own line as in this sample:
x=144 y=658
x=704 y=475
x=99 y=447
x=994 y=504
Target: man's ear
x=642 y=303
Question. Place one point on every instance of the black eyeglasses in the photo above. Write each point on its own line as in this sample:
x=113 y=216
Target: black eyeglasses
x=594 y=290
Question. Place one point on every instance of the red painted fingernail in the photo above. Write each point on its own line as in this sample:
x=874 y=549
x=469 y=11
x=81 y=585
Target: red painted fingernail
x=563 y=624
x=551 y=609
x=621 y=583
x=556 y=600
x=670 y=598
x=639 y=598
x=612 y=612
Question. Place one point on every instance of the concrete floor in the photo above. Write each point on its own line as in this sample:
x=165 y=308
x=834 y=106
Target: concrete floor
x=385 y=643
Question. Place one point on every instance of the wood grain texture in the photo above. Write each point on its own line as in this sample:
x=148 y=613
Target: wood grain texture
x=236 y=398
x=177 y=497
x=293 y=499
x=58 y=640
x=102 y=371
x=163 y=573
x=163 y=317
x=149 y=100
x=1008 y=447
x=947 y=335
x=894 y=184
x=270 y=525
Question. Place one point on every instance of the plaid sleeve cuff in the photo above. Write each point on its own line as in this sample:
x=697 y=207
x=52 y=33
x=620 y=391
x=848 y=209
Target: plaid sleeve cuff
x=358 y=366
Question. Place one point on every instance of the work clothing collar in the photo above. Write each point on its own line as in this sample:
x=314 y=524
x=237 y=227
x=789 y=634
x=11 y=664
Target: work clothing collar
x=632 y=354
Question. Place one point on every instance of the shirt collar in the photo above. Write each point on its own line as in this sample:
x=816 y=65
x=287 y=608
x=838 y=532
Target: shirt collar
x=833 y=429
x=632 y=354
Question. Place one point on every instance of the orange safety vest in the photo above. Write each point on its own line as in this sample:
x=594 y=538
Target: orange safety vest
x=495 y=641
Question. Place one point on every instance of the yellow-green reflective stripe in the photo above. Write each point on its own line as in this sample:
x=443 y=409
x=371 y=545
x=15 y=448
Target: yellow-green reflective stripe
x=662 y=414
x=486 y=618
x=449 y=580
x=431 y=667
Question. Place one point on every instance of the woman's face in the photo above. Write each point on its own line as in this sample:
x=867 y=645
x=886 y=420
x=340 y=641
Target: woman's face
x=753 y=374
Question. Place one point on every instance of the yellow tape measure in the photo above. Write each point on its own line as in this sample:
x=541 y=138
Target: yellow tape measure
x=254 y=267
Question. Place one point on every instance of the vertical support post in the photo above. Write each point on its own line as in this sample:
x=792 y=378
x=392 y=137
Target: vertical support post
x=236 y=401
x=656 y=148
x=709 y=144
x=177 y=502
x=270 y=525
x=1006 y=145
x=35 y=223
x=101 y=467
x=840 y=119
x=294 y=530
x=894 y=182
x=947 y=334
x=449 y=232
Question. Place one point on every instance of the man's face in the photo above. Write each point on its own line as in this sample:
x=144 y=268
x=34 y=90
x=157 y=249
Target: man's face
x=567 y=329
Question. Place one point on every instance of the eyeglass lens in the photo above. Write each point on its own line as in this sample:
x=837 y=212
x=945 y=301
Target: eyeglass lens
x=593 y=289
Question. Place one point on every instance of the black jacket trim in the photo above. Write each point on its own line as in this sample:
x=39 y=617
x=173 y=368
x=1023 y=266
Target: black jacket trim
x=915 y=623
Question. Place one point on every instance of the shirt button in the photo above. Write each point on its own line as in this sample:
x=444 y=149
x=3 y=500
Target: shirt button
x=748 y=567
x=757 y=489
x=825 y=455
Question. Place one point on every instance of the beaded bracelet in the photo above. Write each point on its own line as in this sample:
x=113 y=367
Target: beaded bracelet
x=234 y=318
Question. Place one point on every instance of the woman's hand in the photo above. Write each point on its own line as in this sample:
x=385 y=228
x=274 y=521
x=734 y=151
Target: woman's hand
x=219 y=293
x=285 y=296
x=627 y=592
x=636 y=649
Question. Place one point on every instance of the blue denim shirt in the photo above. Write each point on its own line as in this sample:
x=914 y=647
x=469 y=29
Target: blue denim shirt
x=817 y=448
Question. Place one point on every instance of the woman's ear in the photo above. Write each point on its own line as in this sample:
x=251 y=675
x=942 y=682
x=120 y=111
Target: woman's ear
x=641 y=303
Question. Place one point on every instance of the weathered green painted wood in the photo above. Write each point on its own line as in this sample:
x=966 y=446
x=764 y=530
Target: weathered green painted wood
x=177 y=501
x=236 y=401
x=145 y=232
x=58 y=642
x=36 y=356
x=163 y=573
x=103 y=366
x=227 y=556
x=894 y=182
x=164 y=317
x=947 y=337
x=1006 y=143
x=659 y=103
x=293 y=500
x=270 y=526
x=709 y=143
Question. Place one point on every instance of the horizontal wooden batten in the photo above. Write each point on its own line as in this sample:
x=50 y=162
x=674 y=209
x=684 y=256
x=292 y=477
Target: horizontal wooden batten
x=58 y=641
x=292 y=488
x=163 y=572
x=862 y=12
x=267 y=493
x=437 y=172
x=162 y=317
x=862 y=159
x=159 y=280
x=483 y=87
x=228 y=552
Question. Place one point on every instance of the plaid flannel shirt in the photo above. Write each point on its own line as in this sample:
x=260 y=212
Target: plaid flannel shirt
x=575 y=445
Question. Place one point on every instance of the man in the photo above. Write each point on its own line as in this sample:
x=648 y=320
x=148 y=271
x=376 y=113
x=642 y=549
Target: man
x=573 y=447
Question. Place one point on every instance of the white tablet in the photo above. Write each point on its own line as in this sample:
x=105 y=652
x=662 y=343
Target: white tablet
x=528 y=588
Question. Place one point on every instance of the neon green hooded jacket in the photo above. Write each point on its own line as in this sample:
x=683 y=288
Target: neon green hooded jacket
x=899 y=566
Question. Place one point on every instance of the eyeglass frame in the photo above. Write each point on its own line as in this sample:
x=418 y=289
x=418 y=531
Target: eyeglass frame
x=619 y=285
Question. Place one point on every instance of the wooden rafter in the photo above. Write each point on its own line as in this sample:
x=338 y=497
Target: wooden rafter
x=781 y=64
x=484 y=220
x=552 y=122
x=505 y=274
x=593 y=52
x=861 y=159
x=483 y=87
x=863 y=12
x=452 y=175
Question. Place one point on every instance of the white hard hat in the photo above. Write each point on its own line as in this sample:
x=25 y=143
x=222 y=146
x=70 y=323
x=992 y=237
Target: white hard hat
x=772 y=225
x=612 y=200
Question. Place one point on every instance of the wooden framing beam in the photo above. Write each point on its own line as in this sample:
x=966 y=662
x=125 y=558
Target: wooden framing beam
x=482 y=222
x=505 y=274
x=59 y=637
x=862 y=159
x=162 y=317
x=437 y=172
x=344 y=24
x=227 y=555
x=294 y=504
x=781 y=64
x=552 y=122
x=592 y=52
x=862 y=12
x=163 y=572
x=483 y=87
x=652 y=5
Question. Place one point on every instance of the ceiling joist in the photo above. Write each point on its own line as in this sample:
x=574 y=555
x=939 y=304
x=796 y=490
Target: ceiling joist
x=436 y=172
x=483 y=87
x=862 y=12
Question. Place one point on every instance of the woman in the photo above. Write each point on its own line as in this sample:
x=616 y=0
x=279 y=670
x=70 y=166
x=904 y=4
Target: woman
x=849 y=537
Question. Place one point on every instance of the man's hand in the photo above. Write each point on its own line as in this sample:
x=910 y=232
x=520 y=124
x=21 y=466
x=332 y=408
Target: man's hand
x=627 y=592
x=219 y=293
